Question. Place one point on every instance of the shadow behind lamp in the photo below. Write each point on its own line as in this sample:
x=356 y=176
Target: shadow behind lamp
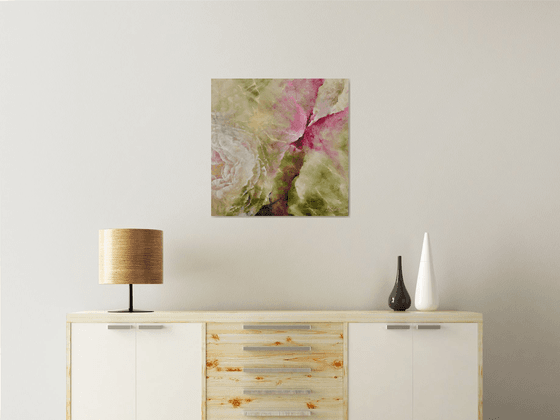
x=130 y=256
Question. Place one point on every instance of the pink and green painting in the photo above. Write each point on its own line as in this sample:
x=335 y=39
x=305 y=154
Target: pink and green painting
x=280 y=147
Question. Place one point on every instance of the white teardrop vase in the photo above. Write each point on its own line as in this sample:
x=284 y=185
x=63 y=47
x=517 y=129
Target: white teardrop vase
x=426 y=297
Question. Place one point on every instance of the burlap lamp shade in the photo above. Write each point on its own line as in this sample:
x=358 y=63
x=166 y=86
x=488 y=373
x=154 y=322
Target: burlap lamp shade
x=130 y=256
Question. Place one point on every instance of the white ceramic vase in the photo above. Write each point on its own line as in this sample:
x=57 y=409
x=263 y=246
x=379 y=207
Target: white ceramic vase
x=426 y=298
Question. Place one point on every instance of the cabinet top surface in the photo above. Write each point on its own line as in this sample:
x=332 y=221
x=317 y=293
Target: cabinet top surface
x=276 y=316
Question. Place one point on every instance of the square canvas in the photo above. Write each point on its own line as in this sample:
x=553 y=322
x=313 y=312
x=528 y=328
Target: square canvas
x=280 y=147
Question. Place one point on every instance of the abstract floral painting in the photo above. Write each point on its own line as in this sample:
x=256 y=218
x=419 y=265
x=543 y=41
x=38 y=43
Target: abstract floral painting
x=280 y=147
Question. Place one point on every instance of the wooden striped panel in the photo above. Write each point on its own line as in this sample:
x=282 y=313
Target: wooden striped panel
x=320 y=328
x=264 y=413
x=204 y=377
x=236 y=346
x=229 y=403
x=277 y=381
x=315 y=415
x=275 y=391
x=277 y=370
x=221 y=396
x=276 y=339
x=282 y=317
x=480 y=372
x=238 y=414
x=226 y=358
x=317 y=361
x=277 y=327
x=218 y=393
x=325 y=363
x=345 y=367
x=276 y=348
x=236 y=350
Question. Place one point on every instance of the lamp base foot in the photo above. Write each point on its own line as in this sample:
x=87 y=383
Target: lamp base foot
x=128 y=311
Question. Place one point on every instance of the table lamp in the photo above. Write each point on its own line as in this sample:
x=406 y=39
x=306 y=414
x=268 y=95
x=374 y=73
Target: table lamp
x=130 y=256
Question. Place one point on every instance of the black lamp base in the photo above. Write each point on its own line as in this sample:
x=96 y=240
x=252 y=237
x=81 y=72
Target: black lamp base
x=130 y=307
x=127 y=311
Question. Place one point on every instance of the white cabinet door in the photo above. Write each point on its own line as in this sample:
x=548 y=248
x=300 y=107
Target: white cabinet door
x=103 y=366
x=446 y=372
x=379 y=372
x=169 y=371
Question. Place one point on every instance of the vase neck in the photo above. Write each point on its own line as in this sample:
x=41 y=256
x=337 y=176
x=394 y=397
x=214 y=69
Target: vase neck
x=399 y=270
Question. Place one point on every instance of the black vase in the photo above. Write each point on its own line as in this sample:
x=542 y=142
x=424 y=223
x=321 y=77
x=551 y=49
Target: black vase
x=399 y=299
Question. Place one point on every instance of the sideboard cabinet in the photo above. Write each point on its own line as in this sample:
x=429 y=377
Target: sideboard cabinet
x=413 y=371
x=136 y=371
x=342 y=365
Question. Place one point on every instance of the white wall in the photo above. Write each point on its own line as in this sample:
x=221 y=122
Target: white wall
x=455 y=130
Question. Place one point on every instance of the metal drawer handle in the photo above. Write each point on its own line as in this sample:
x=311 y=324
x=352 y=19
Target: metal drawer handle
x=277 y=327
x=397 y=327
x=429 y=327
x=277 y=370
x=270 y=348
x=119 y=327
x=300 y=413
x=276 y=391
x=150 y=327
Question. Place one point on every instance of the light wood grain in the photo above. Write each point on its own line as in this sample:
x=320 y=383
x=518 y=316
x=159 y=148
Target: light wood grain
x=203 y=361
x=276 y=327
x=68 y=371
x=276 y=391
x=345 y=370
x=314 y=379
x=233 y=399
x=226 y=358
x=286 y=340
x=130 y=256
x=326 y=398
x=480 y=372
x=317 y=361
x=276 y=370
x=277 y=349
x=265 y=413
x=236 y=328
x=274 y=347
x=277 y=316
x=316 y=415
x=227 y=382
x=238 y=414
x=331 y=342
